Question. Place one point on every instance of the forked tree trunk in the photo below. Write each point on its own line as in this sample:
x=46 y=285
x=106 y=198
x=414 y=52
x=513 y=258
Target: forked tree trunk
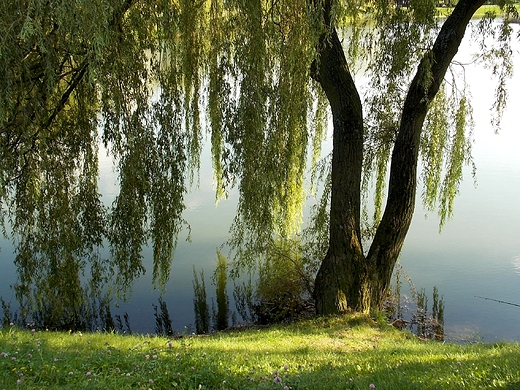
x=347 y=279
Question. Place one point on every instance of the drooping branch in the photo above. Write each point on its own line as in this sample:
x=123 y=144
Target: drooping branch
x=79 y=74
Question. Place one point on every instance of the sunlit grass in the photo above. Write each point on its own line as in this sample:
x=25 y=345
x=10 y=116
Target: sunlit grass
x=328 y=353
x=481 y=12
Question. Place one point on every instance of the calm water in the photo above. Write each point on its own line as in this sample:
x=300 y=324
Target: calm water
x=477 y=253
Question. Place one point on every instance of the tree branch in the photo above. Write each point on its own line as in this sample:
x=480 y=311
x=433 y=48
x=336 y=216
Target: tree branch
x=403 y=172
x=65 y=97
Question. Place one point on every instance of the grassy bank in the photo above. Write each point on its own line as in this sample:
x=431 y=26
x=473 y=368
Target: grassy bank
x=331 y=353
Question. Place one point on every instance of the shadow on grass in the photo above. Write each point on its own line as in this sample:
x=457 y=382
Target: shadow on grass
x=325 y=353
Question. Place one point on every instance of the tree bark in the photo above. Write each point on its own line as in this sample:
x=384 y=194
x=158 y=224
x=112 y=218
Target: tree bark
x=340 y=283
x=347 y=280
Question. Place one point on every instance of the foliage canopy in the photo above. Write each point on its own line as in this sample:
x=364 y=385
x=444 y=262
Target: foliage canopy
x=149 y=81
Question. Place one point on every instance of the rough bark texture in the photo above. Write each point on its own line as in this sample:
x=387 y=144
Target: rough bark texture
x=341 y=278
x=347 y=280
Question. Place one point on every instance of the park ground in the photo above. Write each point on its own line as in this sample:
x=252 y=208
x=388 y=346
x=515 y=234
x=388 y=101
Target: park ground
x=341 y=352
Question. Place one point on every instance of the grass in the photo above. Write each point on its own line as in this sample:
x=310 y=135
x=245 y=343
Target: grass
x=481 y=12
x=350 y=352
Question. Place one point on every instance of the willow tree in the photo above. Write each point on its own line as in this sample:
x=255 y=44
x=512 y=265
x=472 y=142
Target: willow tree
x=148 y=80
x=409 y=39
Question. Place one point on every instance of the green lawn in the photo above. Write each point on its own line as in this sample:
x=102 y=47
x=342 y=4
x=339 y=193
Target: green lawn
x=327 y=353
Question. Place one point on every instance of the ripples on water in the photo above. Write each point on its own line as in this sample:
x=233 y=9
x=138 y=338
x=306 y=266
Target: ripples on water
x=516 y=264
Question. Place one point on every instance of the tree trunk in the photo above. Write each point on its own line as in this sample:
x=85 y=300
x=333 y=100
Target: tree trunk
x=340 y=283
x=347 y=280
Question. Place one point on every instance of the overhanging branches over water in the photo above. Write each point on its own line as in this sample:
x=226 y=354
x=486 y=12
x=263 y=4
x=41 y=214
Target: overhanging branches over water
x=73 y=75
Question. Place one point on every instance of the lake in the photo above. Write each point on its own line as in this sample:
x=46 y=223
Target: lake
x=476 y=255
